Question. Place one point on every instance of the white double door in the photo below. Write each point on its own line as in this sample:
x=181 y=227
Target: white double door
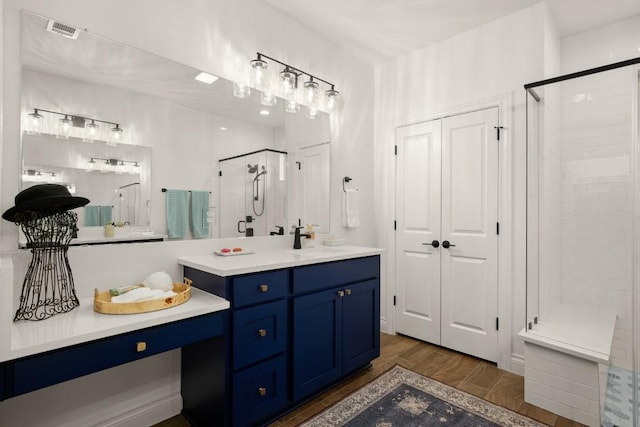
x=446 y=232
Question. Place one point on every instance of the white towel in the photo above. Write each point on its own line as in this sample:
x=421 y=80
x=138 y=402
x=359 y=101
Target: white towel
x=350 y=208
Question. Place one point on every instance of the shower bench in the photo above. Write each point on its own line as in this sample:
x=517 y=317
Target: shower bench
x=567 y=360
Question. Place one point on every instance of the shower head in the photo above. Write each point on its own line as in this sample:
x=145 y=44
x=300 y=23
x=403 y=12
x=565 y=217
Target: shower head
x=253 y=168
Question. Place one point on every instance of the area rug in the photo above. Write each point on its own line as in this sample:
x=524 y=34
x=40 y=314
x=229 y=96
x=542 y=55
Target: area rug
x=403 y=398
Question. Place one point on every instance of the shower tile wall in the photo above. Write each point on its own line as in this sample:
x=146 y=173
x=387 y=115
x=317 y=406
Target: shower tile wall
x=597 y=200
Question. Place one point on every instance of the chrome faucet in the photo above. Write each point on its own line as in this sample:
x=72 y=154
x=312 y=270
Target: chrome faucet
x=297 y=244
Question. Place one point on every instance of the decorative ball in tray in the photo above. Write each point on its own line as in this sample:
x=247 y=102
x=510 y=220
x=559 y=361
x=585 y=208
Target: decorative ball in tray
x=105 y=302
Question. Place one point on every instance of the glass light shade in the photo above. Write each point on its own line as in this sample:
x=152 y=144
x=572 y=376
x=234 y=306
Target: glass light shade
x=241 y=90
x=312 y=113
x=259 y=74
x=292 y=107
x=64 y=128
x=116 y=135
x=311 y=93
x=331 y=98
x=91 y=166
x=288 y=83
x=90 y=132
x=34 y=126
x=268 y=99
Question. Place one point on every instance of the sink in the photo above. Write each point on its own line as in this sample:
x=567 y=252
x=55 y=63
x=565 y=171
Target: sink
x=316 y=252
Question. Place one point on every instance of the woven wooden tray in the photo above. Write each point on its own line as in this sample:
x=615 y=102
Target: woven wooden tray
x=102 y=301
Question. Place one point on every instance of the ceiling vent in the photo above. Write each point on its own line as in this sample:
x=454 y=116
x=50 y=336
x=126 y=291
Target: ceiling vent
x=62 y=29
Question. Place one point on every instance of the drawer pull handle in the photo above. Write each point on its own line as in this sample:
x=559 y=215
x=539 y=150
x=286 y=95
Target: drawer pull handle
x=341 y=294
x=262 y=391
x=264 y=288
x=141 y=346
x=347 y=291
x=262 y=332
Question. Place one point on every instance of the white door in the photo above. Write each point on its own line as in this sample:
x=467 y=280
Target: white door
x=418 y=224
x=469 y=270
x=447 y=190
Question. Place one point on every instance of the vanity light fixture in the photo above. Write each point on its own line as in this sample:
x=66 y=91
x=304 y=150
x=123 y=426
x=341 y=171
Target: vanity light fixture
x=117 y=166
x=312 y=113
x=206 y=78
x=268 y=99
x=288 y=86
x=35 y=123
x=71 y=125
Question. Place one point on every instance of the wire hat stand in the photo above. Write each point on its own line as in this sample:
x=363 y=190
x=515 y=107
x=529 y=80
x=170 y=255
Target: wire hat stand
x=48 y=287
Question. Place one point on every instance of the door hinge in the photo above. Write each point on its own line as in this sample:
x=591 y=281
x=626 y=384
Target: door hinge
x=395 y=150
x=219 y=173
x=497 y=324
x=395 y=224
x=497 y=228
x=394 y=300
x=497 y=128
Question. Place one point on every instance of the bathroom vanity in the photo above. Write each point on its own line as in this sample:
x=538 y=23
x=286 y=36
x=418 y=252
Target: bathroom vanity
x=81 y=342
x=300 y=321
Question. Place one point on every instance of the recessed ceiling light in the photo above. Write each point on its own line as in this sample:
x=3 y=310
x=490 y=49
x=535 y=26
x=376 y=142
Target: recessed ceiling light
x=206 y=78
x=223 y=128
x=264 y=112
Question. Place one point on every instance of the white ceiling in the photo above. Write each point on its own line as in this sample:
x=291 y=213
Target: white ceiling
x=382 y=29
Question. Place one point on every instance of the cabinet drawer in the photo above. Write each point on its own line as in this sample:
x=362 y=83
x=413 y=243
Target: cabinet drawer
x=322 y=276
x=259 y=392
x=261 y=287
x=259 y=333
x=61 y=365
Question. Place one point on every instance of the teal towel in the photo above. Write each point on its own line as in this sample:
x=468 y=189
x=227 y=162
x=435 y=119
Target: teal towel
x=105 y=214
x=177 y=213
x=199 y=209
x=92 y=216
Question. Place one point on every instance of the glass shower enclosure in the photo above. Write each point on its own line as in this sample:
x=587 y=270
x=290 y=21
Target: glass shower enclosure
x=583 y=224
x=253 y=194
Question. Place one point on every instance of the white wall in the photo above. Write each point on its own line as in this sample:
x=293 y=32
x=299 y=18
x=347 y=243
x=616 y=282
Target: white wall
x=219 y=36
x=494 y=60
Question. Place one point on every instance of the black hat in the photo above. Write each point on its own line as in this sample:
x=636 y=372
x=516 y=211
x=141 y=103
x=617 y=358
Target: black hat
x=43 y=199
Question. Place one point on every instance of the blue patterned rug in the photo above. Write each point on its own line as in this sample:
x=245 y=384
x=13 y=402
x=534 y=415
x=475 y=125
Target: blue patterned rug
x=402 y=398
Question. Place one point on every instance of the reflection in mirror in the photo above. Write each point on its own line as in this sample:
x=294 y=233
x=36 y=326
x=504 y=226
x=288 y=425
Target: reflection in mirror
x=182 y=126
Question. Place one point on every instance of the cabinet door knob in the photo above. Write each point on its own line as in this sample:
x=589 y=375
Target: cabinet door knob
x=341 y=294
x=347 y=291
x=262 y=391
x=141 y=346
x=264 y=288
x=262 y=332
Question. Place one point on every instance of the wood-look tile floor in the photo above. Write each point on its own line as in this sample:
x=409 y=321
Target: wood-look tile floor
x=475 y=376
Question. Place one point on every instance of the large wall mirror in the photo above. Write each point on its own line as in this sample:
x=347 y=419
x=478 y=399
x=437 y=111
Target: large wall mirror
x=264 y=168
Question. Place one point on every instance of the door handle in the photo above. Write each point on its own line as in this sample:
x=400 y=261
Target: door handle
x=245 y=226
x=446 y=244
x=433 y=243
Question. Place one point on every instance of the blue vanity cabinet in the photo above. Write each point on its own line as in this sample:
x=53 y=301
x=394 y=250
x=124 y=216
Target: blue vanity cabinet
x=257 y=380
x=335 y=330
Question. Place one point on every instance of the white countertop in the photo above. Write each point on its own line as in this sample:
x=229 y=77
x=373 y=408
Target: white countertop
x=83 y=325
x=273 y=259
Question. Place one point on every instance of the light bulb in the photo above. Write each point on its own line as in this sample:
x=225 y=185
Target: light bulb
x=331 y=98
x=64 y=128
x=311 y=93
x=90 y=132
x=259 y=73
x=288 y=82
x=115 y=135
x=35 y=123
x=312 y=113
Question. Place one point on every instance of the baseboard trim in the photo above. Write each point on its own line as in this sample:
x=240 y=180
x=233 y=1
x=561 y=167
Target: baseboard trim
x=517 y=364
x=147 y=414
x=383 y=325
